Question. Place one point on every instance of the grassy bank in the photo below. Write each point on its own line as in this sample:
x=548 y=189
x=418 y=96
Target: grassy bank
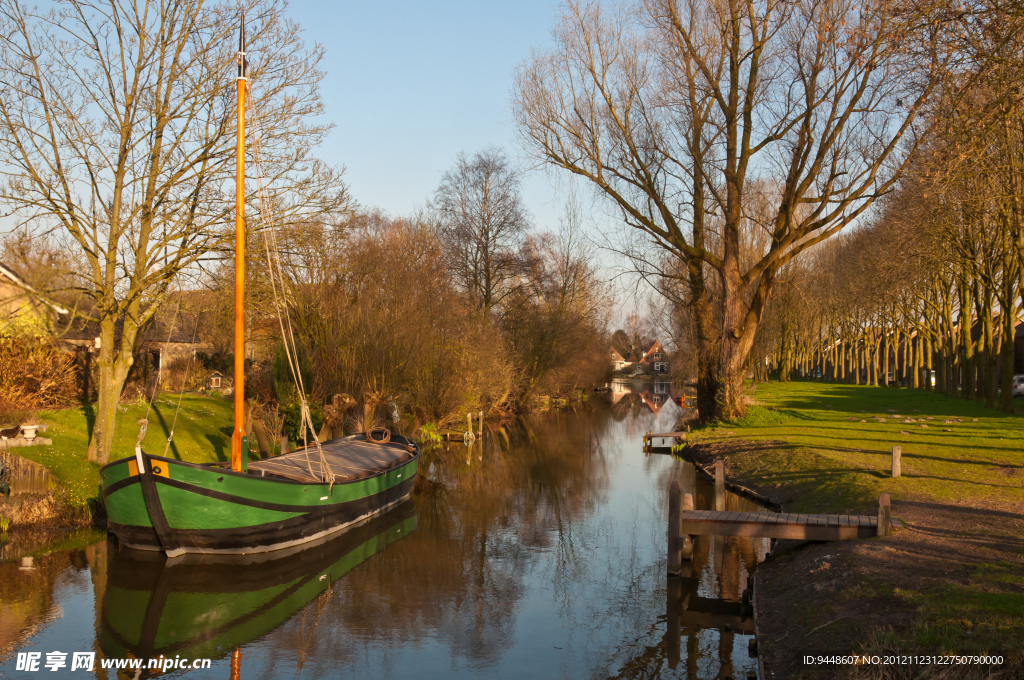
x=829 y=447
x=202 y=434
x=952 y=581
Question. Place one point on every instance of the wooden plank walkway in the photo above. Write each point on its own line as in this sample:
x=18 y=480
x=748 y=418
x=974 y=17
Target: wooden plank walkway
x=778 y=525
x=662 y=446
x=666 y=435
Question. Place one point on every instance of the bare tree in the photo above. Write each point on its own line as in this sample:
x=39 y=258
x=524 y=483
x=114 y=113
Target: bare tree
x=481 y=223
x=117 y=131
x=674 y=109
x=555 y=323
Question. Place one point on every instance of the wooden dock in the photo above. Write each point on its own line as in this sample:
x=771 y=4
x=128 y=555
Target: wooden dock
x=779 y=525
x=685 y=521
x=663 y=435
x=667 y=441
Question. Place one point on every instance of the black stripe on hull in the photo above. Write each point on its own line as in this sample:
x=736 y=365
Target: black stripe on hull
x=316 y=522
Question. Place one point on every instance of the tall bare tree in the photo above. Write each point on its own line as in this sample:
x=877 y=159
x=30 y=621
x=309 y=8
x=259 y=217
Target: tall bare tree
x=117 y=130
x=482 y=220
x=675 y=109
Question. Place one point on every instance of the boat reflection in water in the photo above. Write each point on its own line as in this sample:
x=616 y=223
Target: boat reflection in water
x=206 y=606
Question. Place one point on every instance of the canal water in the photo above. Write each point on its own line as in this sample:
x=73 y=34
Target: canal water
x=539 y=552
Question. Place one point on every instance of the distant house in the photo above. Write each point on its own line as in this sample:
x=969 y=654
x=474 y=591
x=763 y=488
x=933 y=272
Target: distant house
x=653 y=359
x=618 y=362
x=647 y=358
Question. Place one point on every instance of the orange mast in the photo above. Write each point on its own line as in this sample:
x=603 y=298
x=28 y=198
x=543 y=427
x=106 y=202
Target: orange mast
x=239 y=454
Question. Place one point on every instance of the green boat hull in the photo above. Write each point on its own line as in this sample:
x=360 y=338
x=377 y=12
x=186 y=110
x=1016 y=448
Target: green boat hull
x=179 y=507
x=207 y=606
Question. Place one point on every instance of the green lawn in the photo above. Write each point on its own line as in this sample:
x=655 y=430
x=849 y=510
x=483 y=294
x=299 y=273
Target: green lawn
x=833 y=450
x=202 y=434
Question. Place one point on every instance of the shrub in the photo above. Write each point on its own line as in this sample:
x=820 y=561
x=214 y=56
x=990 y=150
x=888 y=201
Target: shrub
x=291 y=415
x=429 y=436
x=35 y=375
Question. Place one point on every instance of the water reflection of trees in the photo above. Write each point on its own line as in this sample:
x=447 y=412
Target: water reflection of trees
x=485 y=513
x=29 y=570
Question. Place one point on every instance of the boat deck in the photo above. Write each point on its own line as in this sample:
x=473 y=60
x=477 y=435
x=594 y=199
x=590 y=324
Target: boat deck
x=349 y=459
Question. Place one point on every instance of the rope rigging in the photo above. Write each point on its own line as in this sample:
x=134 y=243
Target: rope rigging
x=279 y=287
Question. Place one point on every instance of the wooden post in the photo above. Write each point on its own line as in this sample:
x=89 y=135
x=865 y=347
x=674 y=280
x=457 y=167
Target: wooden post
x=675 y=493
x=687 y=540
x=469 y=422
x=884 y=528
x=896 y=455
x=284 y=444
x=673 y=613
x=719 y=485
x=481 y=417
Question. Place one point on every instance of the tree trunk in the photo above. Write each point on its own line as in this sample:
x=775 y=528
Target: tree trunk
x=262 y=441
x=858 y=353
x=876 y=361
x=739 y=326
x=112 y=368
x=707 y=359
x=968 y=361
x=885 y=362
x=928 y=363
x=939 y=347
x=917 y=340
x=906 y=368
x=1006 y=353
x=991 y=351
x=953 y=368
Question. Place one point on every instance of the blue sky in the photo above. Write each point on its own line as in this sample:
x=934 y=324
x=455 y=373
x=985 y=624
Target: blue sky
x=410 y=84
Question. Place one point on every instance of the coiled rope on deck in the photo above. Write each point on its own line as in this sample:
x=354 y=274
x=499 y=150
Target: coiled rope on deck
x=378 y=435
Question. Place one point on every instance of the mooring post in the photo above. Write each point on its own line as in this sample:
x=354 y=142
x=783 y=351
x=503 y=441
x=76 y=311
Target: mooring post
x=884 y=527
x=897 y=453
x=481 y=417
x=687 y=540
x=719 y=485
x=673 y=613
x=675 y=497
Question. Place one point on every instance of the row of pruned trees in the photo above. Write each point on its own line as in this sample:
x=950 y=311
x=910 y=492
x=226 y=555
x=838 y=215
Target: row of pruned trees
x=928 y=296
x=934 y=281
